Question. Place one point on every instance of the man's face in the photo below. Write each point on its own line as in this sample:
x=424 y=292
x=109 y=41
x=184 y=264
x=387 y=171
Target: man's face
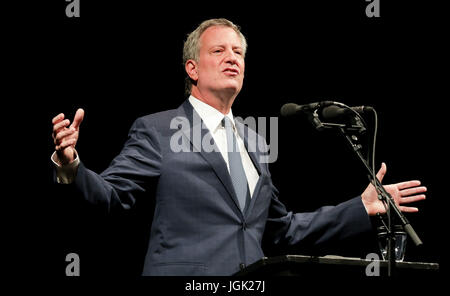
x=220 y=67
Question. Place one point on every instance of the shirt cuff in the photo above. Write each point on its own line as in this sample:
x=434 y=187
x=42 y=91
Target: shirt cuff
x=65 y=174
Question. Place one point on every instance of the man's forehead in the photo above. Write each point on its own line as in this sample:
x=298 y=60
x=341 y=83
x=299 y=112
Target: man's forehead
x=220 y=35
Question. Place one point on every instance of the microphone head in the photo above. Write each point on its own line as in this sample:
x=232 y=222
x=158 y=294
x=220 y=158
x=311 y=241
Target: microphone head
x=289 y=109
x=333 y=111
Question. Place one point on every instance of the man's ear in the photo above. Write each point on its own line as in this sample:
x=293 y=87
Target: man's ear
x=191 y=69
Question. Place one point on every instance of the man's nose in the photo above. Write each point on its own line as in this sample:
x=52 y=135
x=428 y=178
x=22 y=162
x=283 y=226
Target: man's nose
x=231 y=58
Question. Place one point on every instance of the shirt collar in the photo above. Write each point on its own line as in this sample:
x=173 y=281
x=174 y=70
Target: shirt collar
x=210 y=115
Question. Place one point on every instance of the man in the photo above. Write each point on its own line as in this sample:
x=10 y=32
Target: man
x=212 y=207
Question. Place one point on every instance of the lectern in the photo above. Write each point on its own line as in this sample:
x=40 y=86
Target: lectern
x=299 y=265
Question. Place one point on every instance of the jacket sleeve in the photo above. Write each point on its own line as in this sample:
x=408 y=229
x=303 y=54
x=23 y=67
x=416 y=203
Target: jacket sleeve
x=328 y=224
x=130 y=173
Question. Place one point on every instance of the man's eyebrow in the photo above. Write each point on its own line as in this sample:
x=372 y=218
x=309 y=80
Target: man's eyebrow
x=217 y=45
x=223 y=45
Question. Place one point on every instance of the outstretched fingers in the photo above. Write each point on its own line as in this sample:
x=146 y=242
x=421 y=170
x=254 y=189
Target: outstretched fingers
x=408 y=184
x=412 y=191
x=408 y=209
x=410 y=199
x=409 y=192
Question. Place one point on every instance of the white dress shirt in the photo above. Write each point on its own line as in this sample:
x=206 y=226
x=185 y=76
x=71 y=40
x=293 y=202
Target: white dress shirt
x=213 y=120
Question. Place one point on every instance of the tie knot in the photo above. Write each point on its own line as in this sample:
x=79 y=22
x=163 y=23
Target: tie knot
x=226 y=122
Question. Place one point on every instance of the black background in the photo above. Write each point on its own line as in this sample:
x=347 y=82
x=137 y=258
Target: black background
x=123 y=59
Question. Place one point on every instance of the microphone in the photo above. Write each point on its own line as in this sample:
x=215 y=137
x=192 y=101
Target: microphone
x=336 y=111
x=290 y=109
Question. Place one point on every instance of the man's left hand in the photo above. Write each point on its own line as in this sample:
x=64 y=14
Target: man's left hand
x=403 y=193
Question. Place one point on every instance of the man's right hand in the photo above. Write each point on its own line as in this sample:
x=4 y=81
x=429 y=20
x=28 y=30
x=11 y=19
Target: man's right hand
x=65 y=137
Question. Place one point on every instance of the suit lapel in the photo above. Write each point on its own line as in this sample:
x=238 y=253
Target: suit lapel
x=195 y=133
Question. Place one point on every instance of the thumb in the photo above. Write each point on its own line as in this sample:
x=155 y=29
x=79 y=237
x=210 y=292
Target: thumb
x=381 y=172
x=77 y=119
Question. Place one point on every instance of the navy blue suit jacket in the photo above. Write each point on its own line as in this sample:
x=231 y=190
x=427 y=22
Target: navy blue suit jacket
x=197 y=227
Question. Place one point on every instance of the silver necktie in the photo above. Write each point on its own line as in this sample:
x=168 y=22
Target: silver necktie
x=237 y=172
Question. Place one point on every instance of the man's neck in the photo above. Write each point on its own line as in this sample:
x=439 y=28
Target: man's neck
x=222 y=103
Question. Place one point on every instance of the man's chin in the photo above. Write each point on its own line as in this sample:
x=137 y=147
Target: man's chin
x=230 y=90
x=232 y=85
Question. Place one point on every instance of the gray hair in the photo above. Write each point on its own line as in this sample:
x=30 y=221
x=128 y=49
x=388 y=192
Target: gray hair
x=191 y=49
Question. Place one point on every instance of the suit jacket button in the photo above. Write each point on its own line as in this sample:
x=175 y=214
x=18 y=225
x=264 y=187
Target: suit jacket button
x=242 y=266
x=244 y=226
